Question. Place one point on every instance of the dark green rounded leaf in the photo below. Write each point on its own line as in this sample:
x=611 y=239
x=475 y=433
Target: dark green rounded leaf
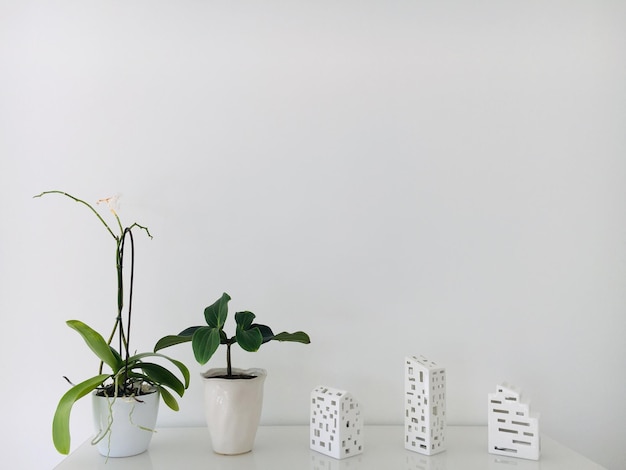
x=189 y=331
x=244 y=319
x=215 y=314
x=204 y=343
x=265 y=330
x=249 y=340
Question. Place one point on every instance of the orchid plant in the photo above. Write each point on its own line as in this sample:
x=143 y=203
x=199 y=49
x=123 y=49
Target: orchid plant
x=130 y=375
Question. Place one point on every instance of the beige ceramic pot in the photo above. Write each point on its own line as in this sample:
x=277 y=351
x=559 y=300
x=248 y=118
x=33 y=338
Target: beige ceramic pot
x=233 y=409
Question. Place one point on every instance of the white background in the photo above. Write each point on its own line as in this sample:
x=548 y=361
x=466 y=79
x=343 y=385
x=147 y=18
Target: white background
x=394 y=177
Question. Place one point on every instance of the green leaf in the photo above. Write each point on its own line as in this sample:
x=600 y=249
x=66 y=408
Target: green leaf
x=204 y=343
x=189 y=331
x=266 y=331
x=244 y=319
x=61 y=420
x=97 y=344
x=215 y=314
x=118 y=358
x=249 y=340
x=183 y=369
x=168 y=398
x=297 y=337
x=161 y=376
x=171 y=340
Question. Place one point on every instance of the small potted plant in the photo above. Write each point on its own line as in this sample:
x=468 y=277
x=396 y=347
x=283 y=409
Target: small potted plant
x=126 y=398
x=233 y=397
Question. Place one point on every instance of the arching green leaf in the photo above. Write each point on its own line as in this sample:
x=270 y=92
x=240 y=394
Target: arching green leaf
x=182 y=367
x=61 y=420
x=160 y=375
x=168 y=398
x=171 y=340
x=97 y=344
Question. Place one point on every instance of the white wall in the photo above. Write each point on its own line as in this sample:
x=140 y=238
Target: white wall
x=440 y=178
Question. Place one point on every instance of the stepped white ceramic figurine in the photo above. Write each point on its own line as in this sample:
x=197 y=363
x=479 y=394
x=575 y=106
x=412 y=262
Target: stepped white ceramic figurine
x=513 y=429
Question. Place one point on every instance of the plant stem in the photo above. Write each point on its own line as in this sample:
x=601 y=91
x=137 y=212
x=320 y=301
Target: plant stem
x=88 y=205
x=130 y=296
x=229 y=368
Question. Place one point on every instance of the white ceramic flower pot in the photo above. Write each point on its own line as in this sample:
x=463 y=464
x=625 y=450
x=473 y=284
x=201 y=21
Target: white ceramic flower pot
x=233 y=409
x=124 y=426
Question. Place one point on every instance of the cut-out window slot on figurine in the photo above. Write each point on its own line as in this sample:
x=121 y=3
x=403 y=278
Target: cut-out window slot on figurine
x=525 y=443
x=512 y=431
x=504 y=449
x=520 y=423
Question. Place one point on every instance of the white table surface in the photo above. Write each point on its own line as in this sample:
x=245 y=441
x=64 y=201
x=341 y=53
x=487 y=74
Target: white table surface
x=286 y=448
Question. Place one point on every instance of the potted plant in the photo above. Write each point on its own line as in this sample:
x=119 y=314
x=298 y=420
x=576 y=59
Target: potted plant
x=126 y=397
x=233 y=397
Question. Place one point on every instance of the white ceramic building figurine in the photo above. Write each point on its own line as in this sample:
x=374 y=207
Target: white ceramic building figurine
x=425 y=406
x=513 y=429
x=336 y=423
